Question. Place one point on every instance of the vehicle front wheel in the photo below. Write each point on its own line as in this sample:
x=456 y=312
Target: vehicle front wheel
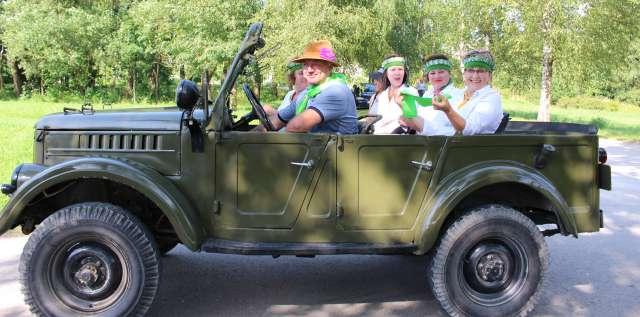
x=491 y=262
x=90 y=259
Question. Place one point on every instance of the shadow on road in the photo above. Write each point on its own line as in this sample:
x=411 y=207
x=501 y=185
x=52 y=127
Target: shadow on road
x=228 y=285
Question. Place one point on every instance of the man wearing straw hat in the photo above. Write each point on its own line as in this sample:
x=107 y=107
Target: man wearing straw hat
x=328 y=106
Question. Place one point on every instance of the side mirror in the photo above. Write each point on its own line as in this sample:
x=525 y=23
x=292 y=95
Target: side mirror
x=187 y=94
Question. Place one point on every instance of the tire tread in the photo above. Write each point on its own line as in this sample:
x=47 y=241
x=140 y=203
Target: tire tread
x=462 y=225
x=119 y=219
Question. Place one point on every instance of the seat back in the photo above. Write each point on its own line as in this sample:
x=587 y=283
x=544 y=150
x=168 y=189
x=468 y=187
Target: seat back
x=503 y=123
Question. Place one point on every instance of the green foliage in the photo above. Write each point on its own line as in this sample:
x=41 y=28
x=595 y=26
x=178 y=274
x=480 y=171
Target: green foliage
x=54 y=43
x=632 y=96
x=107 y=50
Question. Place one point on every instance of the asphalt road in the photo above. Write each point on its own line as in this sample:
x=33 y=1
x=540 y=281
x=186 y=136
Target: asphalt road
x=595 y=275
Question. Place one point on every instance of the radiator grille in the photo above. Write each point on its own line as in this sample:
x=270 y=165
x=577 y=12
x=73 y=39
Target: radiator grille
x=149 y=142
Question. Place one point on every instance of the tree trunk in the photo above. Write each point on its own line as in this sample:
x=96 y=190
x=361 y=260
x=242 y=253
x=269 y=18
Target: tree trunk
x=134 y=86
x=544 y=112
x=1 y=69
x=131 y=85
x=274 y=85
x=157 y=82
x=182 y=72
x=18 y=78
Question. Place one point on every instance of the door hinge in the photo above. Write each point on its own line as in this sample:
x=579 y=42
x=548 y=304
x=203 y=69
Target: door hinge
x=216 y=207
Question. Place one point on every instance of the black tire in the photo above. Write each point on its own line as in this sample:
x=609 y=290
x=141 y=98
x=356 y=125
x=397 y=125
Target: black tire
x=90 y=259
x=491 y=262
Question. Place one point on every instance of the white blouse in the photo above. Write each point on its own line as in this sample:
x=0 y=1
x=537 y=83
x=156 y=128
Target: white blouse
x=389 y=109
x=482 y=114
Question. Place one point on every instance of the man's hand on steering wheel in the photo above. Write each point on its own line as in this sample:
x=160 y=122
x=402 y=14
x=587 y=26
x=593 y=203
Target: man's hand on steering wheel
x=258 y=109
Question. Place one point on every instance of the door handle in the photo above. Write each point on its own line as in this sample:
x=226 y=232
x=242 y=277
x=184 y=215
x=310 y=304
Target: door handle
x=307 y=164
x=428 y=165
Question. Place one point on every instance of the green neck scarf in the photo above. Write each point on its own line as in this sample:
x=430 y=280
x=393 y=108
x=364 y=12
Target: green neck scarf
x=315 y=89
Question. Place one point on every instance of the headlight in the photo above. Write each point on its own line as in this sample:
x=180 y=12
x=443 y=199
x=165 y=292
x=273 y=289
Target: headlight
x=10 y=188
x=21 y=175
x=602 y=156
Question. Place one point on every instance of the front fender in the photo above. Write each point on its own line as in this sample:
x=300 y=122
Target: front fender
x=160 y=190
x=456 y=186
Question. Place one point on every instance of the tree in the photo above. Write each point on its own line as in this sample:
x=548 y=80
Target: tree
x=54 y=43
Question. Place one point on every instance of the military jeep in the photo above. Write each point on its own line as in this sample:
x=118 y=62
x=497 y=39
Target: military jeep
x=109 y=192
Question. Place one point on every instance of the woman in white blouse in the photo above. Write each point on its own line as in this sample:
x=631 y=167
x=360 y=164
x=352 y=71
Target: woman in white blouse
x=480 y=111
x=394 y=80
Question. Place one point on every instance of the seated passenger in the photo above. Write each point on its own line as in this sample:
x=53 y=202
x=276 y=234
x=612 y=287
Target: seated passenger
x=328 y=106
x=437 y=72
x=386 y=104
x=297 y=81
x=376 y=78
x=480 y=111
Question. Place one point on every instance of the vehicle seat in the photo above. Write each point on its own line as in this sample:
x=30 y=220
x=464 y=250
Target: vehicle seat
x=503 y=123
x=366 y=127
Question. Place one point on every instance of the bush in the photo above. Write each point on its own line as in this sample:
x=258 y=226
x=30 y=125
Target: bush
x=584 y=102
x=7 y=94
x=632 y=96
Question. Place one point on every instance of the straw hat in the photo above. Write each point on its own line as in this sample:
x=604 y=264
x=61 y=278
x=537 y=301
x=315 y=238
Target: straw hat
x=318 y=50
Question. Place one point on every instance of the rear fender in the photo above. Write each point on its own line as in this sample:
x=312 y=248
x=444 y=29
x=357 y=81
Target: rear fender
x=456 y=186
x=178 y=210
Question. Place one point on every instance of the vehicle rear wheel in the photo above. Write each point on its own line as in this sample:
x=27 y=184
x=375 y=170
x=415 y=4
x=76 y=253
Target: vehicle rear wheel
x=491 y=262
x=90 y=259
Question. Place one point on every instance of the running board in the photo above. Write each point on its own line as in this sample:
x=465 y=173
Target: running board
x=286 y=248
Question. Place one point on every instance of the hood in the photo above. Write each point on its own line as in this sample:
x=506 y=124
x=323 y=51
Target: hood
x=168 y=119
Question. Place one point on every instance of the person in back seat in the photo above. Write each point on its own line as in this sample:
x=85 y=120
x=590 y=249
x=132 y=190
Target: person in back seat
x=394 y=80
x=480 y=111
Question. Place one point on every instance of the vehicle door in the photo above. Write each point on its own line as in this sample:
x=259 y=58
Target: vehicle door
x=261 y=179
x=383 y=179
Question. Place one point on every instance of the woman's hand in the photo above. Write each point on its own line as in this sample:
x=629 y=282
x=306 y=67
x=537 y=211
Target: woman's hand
x=441 y=103
x=416 y=123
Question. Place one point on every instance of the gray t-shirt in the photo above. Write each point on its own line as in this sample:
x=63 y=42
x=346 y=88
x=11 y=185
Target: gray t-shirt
x=335 y=105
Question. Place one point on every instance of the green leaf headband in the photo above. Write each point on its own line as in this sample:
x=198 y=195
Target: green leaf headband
x=479 y=61
x=393 y=61
x=439 y=63
x=292 y=67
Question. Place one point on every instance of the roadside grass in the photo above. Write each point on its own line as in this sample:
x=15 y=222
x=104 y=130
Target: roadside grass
x=623 y=124
x=17 y=120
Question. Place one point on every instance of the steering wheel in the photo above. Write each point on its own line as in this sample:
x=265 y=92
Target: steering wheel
x=257 y=108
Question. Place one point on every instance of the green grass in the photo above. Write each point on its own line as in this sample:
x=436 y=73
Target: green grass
x=623 y=124
x=17 y=120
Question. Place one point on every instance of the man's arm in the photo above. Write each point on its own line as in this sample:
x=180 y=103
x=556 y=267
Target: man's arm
x=305 y=121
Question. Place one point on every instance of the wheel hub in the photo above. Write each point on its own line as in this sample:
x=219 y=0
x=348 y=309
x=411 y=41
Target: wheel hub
x=91 y=271
x=88 y=274
x=488 y=267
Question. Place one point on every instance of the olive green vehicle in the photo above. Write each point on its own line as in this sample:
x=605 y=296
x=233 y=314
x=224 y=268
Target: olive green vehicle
x=109 y=192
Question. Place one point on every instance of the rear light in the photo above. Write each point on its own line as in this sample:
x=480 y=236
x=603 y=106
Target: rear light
x=602 y=156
